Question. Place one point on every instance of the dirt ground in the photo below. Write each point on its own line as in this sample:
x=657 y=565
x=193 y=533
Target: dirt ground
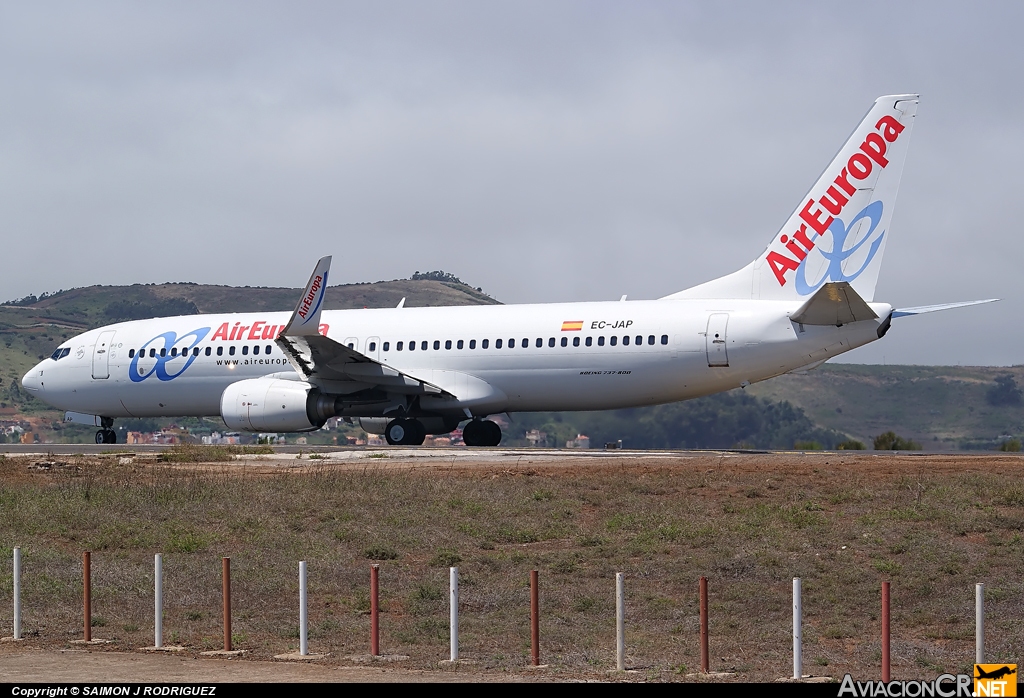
x=934 y=524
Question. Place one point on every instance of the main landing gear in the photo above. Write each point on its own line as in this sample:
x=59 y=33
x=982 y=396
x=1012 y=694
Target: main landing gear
x=481 y=433
x=106 y=435
x=405 y=432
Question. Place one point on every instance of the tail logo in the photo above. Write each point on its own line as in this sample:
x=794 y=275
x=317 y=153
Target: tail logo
x=840 y=253
x=820 y=214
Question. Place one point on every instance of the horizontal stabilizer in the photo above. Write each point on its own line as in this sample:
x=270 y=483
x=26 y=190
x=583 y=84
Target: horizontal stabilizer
x=835 y=303
x=904 y=312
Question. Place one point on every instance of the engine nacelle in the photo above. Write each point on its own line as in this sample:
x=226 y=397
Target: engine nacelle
x=261 y=404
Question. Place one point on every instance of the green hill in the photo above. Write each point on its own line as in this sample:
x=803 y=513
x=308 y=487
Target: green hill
x=940 y=407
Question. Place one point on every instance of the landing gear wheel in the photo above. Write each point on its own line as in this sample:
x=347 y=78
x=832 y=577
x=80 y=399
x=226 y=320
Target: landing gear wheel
x=405 y=432
x=481 y=433
x=106 y=436
x=396 y=431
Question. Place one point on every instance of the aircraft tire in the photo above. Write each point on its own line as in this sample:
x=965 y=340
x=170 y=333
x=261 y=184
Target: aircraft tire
x=396 y=432
x=491 y=433
x=101 y=436
x=471 y=435
x=415 y=433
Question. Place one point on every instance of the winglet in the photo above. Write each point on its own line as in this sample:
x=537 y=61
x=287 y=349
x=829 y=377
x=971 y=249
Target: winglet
x=306 y=318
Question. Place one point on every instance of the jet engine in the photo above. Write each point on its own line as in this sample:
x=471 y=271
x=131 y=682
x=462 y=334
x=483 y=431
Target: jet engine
x=264 y=404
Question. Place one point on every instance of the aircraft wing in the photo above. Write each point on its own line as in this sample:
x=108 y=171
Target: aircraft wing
x=318 y=358
x=904 y=312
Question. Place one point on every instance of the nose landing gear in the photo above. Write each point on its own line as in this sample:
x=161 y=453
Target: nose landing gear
x=106 y=435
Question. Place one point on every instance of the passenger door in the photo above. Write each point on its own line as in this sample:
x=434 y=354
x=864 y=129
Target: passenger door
x=718 y=354
x=101 y=355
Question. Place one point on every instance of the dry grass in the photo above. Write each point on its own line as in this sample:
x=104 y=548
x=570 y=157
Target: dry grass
x=843 y=523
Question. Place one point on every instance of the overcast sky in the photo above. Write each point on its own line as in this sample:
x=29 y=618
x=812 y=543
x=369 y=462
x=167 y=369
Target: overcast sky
x=545 y=151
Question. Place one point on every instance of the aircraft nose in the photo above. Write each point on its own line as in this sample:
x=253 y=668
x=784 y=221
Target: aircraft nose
x=33 y=380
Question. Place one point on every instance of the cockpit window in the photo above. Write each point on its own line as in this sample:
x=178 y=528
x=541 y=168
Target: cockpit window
x=60 y=353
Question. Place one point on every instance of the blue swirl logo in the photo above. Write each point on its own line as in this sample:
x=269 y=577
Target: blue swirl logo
x=840 y=253
x=180 y=362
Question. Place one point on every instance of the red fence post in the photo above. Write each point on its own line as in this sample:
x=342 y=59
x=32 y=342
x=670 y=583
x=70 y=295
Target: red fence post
x=87 y=593
x=705 y=662
x=226 y=594
x=885 y=632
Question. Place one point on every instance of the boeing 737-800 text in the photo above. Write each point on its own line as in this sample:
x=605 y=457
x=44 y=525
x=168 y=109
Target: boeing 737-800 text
x=406 y=372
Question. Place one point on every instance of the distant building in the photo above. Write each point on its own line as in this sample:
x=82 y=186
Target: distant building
x=581 y=441
x=537 y=437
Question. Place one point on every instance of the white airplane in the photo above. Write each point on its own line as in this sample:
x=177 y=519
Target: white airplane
x=407 y=372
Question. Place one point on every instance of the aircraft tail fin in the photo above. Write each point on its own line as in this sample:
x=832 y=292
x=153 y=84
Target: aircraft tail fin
x=838 y=231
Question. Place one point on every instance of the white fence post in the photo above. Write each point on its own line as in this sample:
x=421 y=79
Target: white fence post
x=979 y=623
x=17 y=593
x=453 y=601
x=303 y=616
x=158 y=595
x=620 y=621
x=798 y=635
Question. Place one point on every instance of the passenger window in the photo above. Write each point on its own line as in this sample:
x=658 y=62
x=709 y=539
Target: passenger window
x=576 y=341
x=195 y=352
x=664 y=339
x=437 y=344
x=386 y=346
x=497 y=344
x=614 y=340
x=512 y=344
x=208 y=352
x=373 y=346
x=245 y=350
x=472 y=344
x=447 y=344
x=267 y=351
x=565 y=341
x=600 y=341
x=174 y=351
x=625 y=341
x=398 y=346
x=423 y=345
x=231 y=351
x=256 y=349
x=526 y=343
x=639 y=340
x=459 y=345
x=152 y=353
x=56 y=354
x=551 y=342
x=351 y=345
x=163 y=352
x=540 y=342
x=590 y=341
x=412 y=346
x=220 y=351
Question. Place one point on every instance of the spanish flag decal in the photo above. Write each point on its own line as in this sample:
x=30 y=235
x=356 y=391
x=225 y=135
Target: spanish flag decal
x=572 y=326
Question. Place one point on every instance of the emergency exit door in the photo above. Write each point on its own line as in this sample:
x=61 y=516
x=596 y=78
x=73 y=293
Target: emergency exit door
x=718 y=354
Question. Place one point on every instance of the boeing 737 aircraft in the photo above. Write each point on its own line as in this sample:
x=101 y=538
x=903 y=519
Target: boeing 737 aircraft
x=408 y=372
